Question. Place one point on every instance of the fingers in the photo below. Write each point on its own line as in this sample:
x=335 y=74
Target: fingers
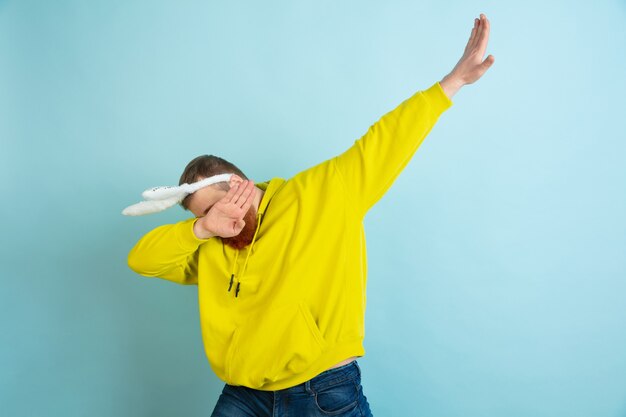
x=479 y=30
x=245 y=200
x=472 y=38
x=230 y=194
x=479 y=36
x=483 y=35
x=243 y=194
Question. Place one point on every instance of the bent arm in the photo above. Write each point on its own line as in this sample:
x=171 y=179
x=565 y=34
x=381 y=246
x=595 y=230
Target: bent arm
x=169 y=251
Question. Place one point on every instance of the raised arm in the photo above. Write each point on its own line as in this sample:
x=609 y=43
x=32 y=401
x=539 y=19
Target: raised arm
x=372 y=164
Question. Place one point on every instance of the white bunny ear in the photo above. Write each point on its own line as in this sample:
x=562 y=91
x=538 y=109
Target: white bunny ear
x=161 y=198
x=148 y=207
x=162 y=193
x=180 y=191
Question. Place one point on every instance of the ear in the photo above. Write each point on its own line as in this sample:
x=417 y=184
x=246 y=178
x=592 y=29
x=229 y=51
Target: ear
x=234 y=180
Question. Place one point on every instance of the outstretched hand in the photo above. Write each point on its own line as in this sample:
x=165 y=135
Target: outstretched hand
x=225 y=218
x=471 y=65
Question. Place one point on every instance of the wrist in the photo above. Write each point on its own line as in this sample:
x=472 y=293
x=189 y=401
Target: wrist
x=451 y=84
x=200 y=232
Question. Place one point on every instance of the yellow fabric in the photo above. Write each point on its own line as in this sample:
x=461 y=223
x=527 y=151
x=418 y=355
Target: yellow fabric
x=302 y=282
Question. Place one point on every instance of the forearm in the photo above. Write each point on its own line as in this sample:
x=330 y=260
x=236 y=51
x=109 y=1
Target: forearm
x=169 y=252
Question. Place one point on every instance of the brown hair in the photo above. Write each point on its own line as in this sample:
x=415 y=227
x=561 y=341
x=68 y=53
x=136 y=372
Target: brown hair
x=205 y=166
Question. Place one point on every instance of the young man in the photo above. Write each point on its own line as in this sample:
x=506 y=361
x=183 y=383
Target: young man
x=281 y=265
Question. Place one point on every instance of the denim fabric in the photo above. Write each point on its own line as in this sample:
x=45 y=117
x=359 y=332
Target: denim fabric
x=335 y=392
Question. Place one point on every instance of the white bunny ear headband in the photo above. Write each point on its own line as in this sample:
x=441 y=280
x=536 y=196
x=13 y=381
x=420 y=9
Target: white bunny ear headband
x=161 y=198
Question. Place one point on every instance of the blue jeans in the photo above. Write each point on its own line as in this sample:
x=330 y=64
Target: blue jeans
x=335 y=392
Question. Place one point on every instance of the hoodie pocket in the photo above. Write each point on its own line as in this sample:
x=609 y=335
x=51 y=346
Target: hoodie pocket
x=275 y=345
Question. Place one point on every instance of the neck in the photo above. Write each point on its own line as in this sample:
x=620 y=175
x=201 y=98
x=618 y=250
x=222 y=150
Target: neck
x=257 y=198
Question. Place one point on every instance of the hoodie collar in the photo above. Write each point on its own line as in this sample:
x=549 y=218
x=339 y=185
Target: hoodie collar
x=270 y=187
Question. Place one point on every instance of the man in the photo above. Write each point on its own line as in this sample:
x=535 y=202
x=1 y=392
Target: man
x=281 y=265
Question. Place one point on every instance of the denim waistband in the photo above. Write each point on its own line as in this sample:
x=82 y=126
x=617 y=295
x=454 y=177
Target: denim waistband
x=331 y=376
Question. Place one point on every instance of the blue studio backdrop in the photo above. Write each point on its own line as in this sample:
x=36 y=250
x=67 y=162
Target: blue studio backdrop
x=497 y=260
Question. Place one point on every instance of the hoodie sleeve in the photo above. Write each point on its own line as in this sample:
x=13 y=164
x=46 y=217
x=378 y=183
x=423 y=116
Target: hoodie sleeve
x=372 y=164
x=170 y=252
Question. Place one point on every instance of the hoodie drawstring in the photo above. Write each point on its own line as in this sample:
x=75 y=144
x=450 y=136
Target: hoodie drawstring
x=245 y=265
x=232 y=272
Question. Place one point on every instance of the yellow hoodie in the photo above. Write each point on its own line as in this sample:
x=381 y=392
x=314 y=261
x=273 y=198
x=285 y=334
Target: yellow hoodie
x=292 y=304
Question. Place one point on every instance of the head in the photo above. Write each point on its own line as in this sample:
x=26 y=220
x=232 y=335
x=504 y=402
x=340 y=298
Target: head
x=200 y=202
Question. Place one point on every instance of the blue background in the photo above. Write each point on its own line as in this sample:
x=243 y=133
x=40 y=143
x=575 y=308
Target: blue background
x=497 y=279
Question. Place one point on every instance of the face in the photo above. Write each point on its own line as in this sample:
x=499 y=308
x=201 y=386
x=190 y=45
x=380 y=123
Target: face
x=201 y=202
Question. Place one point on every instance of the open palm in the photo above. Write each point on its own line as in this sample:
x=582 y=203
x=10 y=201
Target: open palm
x=225 y=218
x=471 y=65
